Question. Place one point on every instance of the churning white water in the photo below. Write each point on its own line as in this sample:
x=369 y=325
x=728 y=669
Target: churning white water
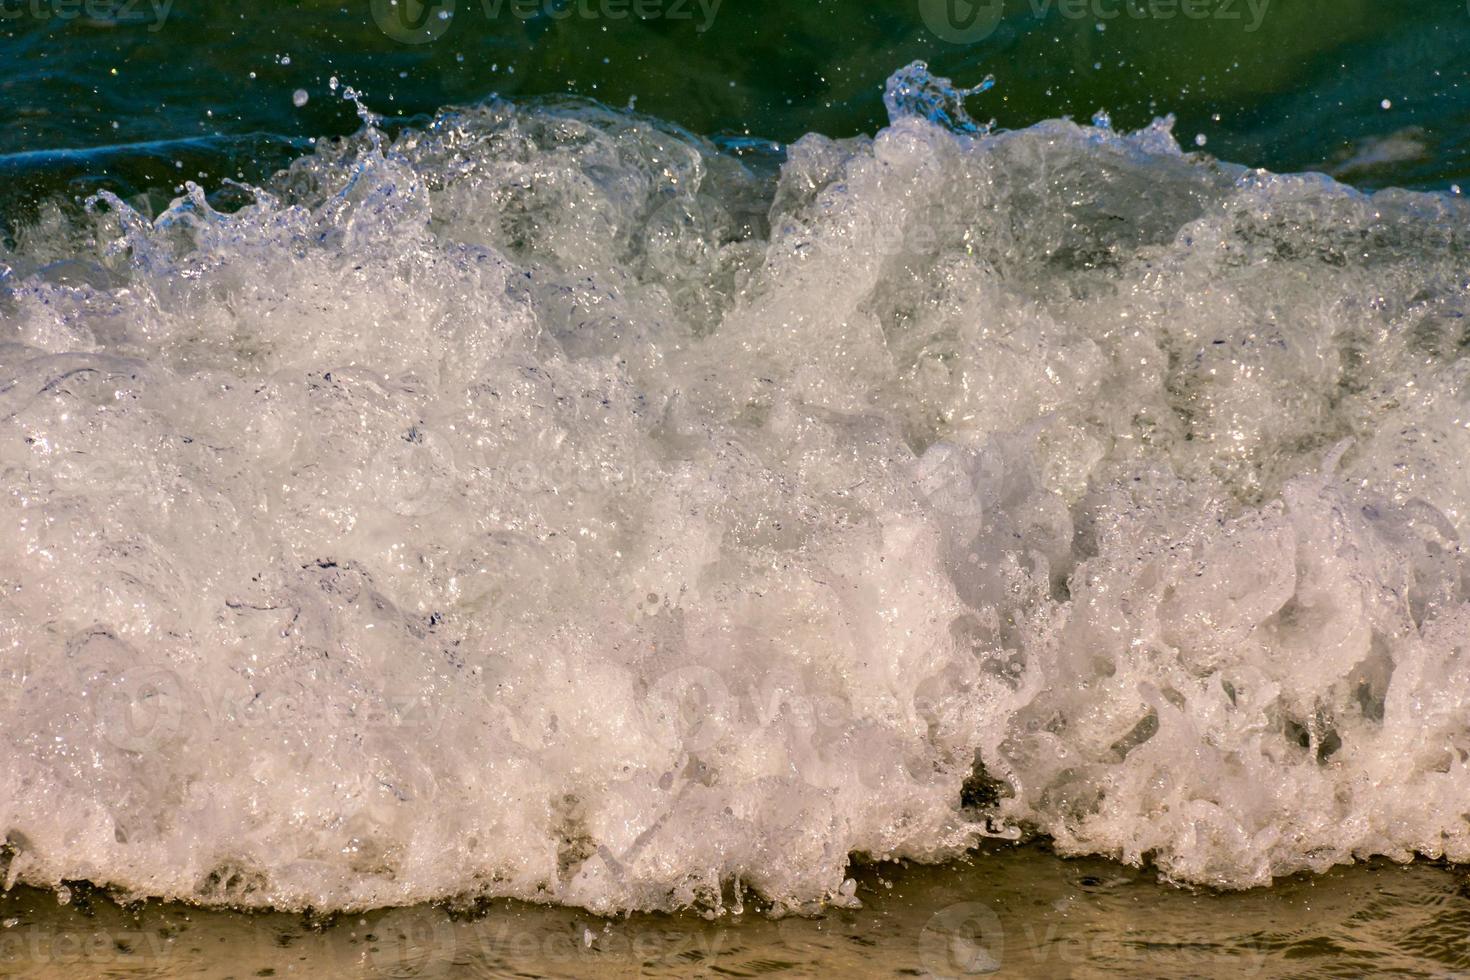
x=548 y=504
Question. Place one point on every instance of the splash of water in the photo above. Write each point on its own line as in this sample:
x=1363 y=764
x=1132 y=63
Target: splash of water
x=546 y=504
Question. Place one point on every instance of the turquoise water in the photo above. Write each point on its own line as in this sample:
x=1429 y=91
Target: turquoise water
x=160 y=92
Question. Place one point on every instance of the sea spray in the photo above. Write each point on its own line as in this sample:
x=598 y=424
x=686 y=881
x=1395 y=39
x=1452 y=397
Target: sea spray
x=546 y=503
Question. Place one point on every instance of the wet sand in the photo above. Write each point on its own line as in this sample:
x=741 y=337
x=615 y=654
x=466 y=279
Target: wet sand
x=1008 y=911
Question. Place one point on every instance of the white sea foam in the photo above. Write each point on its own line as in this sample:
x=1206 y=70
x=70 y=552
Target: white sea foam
x=546 y=504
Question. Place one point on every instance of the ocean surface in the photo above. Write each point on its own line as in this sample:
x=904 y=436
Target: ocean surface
x=648 y=456
x=1008 y=912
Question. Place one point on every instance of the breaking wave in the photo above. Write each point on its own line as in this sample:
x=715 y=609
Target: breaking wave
x=550 y=503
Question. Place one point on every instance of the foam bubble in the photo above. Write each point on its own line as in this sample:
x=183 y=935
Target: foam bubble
x=546 y=504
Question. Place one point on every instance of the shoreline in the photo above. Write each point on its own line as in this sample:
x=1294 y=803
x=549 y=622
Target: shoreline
x=1004 y=910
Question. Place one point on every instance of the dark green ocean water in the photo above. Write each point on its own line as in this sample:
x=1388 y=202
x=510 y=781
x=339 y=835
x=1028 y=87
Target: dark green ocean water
x=132 y=95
